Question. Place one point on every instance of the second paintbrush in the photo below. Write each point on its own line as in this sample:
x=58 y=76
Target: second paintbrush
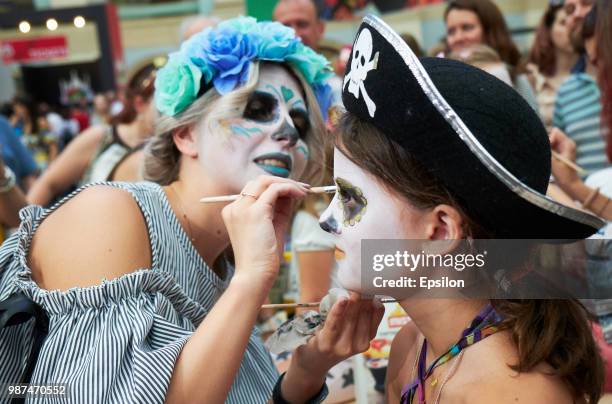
x=230 y=198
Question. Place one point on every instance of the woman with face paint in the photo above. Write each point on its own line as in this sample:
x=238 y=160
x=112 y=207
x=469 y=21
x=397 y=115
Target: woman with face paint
x=132 y=295
x=427 y=158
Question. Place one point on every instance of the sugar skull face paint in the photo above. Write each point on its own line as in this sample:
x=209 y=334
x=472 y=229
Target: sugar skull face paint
x=267 y=137
x=363 y=209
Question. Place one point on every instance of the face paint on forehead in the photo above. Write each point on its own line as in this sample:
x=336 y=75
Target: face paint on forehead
x=352 y=201
x=274 y=90
x=287 y=94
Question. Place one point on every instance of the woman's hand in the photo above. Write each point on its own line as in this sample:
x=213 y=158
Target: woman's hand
x=348 y=329
x=566 y=147
x=257 y=224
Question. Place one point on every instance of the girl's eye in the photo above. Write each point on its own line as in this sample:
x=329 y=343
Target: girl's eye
x=300 y=121
x=352 y=201
x=261 y=107
x=344 y=196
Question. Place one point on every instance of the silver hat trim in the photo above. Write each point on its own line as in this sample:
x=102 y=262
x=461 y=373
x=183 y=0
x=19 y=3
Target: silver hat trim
x=505 y=176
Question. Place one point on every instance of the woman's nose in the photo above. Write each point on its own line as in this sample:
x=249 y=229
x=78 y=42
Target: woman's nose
x=286 y=133
x=330 y=225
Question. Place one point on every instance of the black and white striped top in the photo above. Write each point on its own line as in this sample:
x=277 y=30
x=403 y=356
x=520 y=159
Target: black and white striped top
x=118 y=342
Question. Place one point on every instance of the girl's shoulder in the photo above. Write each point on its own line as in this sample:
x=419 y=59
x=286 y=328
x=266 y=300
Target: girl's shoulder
x=486 y=375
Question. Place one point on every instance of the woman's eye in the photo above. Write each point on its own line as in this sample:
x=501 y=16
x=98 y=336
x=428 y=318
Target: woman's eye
x=301 y=122
x=260 y=107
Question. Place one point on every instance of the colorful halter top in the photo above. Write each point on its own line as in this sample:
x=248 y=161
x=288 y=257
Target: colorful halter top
x=486 y=323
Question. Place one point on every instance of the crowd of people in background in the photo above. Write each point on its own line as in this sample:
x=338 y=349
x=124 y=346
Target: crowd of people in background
x=565 y=76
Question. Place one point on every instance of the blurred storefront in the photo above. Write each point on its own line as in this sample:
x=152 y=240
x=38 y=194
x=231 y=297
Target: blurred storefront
x=77 y=50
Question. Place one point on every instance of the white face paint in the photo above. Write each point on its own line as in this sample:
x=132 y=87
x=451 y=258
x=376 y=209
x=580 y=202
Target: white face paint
x=363 y=209
x=269 y=137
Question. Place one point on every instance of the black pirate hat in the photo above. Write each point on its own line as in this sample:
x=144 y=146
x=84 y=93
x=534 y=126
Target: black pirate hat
x=469 y=129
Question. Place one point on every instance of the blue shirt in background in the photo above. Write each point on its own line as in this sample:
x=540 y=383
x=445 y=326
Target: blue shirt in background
x=14 y=153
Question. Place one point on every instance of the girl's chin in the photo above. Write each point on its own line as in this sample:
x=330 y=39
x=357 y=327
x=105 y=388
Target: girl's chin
x=349 y=279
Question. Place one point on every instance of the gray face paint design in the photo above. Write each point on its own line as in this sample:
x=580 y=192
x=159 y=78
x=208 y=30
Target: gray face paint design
x=352 y=201
x=330 y=225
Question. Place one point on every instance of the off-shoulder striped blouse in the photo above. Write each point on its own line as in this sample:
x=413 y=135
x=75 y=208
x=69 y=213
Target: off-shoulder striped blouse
x=118 y=342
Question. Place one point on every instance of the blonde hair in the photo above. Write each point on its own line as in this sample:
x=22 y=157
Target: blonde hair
x=162 y=157
x=476 y=55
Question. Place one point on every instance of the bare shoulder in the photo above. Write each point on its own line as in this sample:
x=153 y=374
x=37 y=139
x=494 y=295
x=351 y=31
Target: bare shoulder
x=493 y=380
x=130 y=169
x=530 y=387
x=99 y=234
x=90 y=137
x=401 y=360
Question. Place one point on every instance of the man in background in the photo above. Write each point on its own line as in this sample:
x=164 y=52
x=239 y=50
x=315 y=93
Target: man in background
x=304 y=17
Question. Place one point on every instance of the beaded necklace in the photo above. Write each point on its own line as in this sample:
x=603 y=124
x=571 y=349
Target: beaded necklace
x=485 y=324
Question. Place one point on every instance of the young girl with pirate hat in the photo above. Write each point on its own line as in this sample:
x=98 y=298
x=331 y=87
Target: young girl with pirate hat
x=435 y=149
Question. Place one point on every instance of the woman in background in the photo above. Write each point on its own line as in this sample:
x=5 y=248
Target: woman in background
x=99 y=153
x=471 y=22
x=551 y=59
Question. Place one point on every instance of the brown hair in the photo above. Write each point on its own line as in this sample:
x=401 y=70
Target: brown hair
x=494 y=27
x=476 y=55
x=603 y=28
x=543 y=52
x=140 y=85
x=534 y=324
x=412 y=42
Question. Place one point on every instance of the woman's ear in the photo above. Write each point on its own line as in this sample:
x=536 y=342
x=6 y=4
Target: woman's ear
x=445 y=223
x=185 y=141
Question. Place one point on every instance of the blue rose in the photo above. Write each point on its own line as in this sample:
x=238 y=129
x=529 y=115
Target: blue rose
x=176 y=85
x=193 y=49
x=277 y=41
x=227 y=53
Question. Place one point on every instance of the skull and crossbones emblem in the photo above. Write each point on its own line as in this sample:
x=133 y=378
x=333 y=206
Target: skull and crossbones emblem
x=361 y=64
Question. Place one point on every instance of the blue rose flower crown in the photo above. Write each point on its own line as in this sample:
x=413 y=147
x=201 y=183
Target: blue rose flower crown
x=222 y=56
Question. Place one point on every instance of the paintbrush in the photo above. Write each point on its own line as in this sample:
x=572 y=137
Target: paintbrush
x=315 y=304
x=229 y=198
x=568 y=163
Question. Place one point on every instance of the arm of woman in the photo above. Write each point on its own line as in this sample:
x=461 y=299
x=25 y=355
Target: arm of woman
x=11 y=202
x=68 y=168
x=570 y=182
x=256 y=225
